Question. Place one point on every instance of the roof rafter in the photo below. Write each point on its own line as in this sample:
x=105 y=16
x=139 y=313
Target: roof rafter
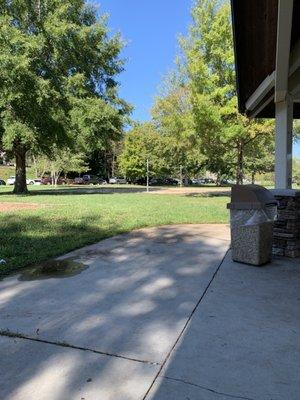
x=269 y=82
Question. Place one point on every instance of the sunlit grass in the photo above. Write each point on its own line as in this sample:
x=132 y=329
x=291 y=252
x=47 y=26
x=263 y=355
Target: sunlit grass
x=63 y=222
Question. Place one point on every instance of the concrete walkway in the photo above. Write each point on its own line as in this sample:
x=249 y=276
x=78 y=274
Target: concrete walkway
x=158 y=314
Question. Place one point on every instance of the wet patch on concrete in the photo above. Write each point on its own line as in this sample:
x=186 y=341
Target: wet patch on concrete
x=52 y=269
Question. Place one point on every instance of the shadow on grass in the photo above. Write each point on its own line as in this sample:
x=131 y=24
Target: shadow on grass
x=30 y=240
x=212 y=193
x=194 y=190
x=81 y=190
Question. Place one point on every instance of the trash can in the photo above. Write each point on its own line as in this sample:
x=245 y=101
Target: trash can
x=252 y=212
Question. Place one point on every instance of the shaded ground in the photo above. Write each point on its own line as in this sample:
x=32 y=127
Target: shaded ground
x=123 y=189
x=157 y=314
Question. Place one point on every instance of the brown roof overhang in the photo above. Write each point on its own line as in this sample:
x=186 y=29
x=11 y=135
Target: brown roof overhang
x=255 y=35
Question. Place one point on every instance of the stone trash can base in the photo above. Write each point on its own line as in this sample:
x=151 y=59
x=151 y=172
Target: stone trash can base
x=250 y=244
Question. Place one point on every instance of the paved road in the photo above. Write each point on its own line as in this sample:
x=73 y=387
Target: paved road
x=155 y=314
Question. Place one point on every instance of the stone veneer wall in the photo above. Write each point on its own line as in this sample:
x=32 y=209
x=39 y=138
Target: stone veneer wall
x=286 y=233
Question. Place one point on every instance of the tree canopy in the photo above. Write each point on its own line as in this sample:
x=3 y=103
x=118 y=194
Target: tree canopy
x=208 y=61
x=58 y=69
x=59 y=97
x=195 y=115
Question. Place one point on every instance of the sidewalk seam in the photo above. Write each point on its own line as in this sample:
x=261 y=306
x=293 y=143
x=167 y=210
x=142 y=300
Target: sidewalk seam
x=186 y=324
x=207 y=389
x=10 y=334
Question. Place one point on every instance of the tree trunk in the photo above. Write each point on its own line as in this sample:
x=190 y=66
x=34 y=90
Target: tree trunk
x=218 y=180
x=181 y=176
x=240 y=165
x=113 y=161
x=253 y=178
x=20 y=182
x=56 y=176
x=35 y=167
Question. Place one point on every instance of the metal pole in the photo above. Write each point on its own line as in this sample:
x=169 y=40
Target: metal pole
x=147 y=175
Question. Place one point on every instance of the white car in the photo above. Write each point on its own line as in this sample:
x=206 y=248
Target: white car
x=115 y=180
x=37 y=181
x=11 y=181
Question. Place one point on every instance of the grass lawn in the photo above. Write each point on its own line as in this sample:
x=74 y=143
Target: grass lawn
x=60 y=221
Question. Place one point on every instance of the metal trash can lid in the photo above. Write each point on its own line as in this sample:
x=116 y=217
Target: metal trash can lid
x=247 y=197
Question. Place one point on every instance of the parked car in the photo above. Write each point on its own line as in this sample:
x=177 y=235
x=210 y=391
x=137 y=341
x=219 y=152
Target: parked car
x=157 y=182
x=37 y=181
x=163 y=182
x=47 y=180
x=115 y=180
x=171 y=181
x=78 y=180
x=89 y=180
x=139 y=181
x=209 y=180
x=11 y=181
x=198 y=181
x=2 y=182
x=93 y=180
x=225 y=182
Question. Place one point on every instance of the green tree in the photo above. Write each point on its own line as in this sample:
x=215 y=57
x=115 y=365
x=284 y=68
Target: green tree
x=61 y=162
x=296 y=170
x=141 y=143
x=57 y=79
x=208 y=60
x=173 y=118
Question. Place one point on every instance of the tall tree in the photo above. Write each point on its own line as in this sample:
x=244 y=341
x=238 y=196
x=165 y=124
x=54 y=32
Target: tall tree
x=57 y=78
x=61 y=162
x=173 y=117
x=208 y=60
x=141 y=143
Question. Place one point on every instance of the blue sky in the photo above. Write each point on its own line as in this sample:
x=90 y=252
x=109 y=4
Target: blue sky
x=150 y=27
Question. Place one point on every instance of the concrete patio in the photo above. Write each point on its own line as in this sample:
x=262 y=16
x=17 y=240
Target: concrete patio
x=160 y=313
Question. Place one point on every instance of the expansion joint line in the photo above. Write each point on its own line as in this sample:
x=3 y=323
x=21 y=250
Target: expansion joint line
x=185 y=326
x=8 y=333
x=232 y=396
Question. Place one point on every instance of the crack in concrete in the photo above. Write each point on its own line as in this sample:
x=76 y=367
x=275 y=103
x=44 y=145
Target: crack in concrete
x=10 y=334
x=186 y=325
x=232 y=396
x=213 y=237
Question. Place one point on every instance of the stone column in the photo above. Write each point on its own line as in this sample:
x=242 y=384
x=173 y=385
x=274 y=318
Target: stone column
x=286 y=234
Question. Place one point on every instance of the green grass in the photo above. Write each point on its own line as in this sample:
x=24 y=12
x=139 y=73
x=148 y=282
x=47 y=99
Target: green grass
x=64 y=222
